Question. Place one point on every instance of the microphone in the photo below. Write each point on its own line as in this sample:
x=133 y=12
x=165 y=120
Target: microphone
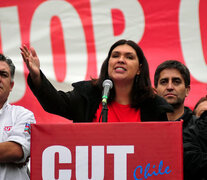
x=107 y=85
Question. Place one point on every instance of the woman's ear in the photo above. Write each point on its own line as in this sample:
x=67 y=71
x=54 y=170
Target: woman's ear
x=139 y=69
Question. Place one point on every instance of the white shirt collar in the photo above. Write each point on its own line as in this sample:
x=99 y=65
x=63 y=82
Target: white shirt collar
x=4 y=107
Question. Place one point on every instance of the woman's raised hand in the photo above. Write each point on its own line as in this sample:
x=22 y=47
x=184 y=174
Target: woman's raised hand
x=32 y=61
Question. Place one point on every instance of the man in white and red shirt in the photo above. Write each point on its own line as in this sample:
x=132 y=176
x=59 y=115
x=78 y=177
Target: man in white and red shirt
x=15 y=124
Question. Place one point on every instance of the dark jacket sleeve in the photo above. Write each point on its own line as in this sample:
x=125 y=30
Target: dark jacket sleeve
x=79 y=104
x=56 y=102
x=195 y=149
x=155 y=109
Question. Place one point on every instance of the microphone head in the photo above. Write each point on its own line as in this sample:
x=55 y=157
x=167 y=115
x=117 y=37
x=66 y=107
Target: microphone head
x=108 y=83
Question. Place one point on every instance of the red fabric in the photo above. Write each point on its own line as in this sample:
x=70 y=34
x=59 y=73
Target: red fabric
x=157 y=151
x=119 y=113
x=164 y=32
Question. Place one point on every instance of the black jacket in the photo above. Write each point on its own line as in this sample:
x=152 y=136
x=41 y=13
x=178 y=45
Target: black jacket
x=195 y=149
x=191 y=163
x=188 y=118
x=81 y=104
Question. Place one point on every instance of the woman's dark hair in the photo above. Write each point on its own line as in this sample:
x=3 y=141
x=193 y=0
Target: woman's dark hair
x=142 y=88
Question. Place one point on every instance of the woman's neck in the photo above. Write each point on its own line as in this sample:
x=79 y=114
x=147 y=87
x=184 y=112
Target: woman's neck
x=123 y=92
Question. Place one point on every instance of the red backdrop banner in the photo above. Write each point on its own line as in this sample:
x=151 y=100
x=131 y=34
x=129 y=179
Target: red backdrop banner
x=72 y=39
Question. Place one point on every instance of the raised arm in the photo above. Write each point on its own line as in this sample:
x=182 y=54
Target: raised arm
x=33 y=64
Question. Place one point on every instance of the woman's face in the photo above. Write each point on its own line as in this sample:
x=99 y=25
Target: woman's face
x=123 y=64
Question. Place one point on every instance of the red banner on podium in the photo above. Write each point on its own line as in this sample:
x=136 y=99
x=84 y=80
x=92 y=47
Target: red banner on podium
x=107 y=151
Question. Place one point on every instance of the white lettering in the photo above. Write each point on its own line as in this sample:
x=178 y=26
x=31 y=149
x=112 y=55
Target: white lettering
x=97 y=165
x=48 y=162
x=120 y=160
x=82 y=162
x=74 y=39
x=11 y=41
x=191 y=39
x=103 y=26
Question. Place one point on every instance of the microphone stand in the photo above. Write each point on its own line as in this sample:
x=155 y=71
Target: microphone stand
x=104 y=112
x=107 y=85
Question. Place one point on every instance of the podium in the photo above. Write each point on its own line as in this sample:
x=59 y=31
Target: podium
x=107 y=151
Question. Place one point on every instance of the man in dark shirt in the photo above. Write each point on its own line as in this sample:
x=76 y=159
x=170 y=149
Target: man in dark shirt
x=172 y=82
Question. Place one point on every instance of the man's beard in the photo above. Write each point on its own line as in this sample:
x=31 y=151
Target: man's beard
x=178 y=103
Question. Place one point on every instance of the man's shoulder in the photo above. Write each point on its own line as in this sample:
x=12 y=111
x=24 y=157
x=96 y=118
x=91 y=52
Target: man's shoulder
x=188 y=117
x=17 y=113
x=18 y=108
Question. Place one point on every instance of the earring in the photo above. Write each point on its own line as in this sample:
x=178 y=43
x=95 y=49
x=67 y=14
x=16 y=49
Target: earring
x=136 y=78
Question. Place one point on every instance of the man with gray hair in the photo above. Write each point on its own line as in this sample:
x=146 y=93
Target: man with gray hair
x=15 y=124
